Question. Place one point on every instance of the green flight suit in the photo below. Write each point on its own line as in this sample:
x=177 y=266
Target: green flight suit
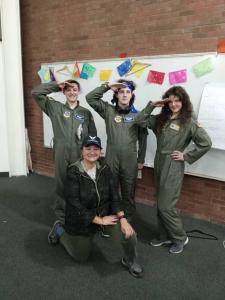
x=169 y=173
x=121 y=150
x=67 y=137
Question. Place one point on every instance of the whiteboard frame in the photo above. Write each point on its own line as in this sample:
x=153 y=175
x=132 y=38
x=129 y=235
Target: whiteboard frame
x=189 y=169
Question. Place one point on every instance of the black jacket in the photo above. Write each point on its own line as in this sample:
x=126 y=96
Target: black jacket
x=86 y=198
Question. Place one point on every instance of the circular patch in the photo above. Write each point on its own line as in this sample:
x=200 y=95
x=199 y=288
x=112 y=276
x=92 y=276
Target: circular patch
x=118 y=119
x=66 y=114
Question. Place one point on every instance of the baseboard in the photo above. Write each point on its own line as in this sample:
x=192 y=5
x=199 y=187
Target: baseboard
x=4 y=174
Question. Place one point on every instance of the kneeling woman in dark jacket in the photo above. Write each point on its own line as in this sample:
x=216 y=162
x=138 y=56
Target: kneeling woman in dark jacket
x=93 y=202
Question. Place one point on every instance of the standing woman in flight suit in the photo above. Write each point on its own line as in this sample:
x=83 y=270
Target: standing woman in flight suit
x=122 y=137
x=175 y=127
x=71 y=123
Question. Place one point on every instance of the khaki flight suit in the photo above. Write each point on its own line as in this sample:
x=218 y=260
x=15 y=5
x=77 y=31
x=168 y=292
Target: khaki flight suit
x=70 y=126
x=169 y=173
x=121 y=151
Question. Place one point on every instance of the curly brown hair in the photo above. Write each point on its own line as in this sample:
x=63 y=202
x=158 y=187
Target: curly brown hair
x=185 y=112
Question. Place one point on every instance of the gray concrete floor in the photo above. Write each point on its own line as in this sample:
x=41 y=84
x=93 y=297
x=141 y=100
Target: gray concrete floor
x=32 y=269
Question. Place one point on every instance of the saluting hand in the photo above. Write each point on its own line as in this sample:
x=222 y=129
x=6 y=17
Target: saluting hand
x=160 y=103
x=116 y=85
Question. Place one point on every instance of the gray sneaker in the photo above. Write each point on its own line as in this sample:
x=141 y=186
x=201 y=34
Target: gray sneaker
x=178 y=246
x=133 y=267
x=160 y=242
x=55 y=233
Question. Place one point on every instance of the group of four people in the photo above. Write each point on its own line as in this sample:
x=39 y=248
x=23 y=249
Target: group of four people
x=87 y=186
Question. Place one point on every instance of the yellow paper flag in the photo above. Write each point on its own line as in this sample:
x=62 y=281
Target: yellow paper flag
x=105 y=75
x=47 y=76
x=137 y=68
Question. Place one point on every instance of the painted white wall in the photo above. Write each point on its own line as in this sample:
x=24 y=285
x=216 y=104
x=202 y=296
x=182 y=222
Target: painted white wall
x=12 y=73
x=4 y=159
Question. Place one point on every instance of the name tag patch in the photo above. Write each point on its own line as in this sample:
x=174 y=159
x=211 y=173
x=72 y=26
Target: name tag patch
x=79 y=117
x=175 y=127
x=128 y=119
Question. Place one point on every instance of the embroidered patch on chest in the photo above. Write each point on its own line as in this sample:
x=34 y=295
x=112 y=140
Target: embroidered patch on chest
x=175 y=126
x=66 y=114
x=118 y=119
x=79 y=118
x=128 y=119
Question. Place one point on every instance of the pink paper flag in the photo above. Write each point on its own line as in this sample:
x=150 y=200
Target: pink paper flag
x=155 y=77
x=178 y=76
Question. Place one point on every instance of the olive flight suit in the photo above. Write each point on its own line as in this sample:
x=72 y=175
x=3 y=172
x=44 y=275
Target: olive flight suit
x=169 y=173
x=70 y=126
x=121 y=150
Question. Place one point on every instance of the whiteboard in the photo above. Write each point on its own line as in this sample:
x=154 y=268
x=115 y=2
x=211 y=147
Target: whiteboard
x=212 y=165
x=213 y=104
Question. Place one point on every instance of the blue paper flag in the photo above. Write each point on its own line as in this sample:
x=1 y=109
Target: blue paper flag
x=83 y=75
x=124 y=67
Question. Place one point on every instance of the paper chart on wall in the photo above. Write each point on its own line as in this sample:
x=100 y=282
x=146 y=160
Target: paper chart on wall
x=212 y=113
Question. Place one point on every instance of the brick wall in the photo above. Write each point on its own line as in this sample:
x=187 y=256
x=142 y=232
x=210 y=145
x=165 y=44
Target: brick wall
x=66 y=30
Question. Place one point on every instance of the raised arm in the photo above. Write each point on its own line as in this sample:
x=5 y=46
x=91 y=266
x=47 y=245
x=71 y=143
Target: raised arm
x=94 y=99
x=40 y=95
x=144 y=118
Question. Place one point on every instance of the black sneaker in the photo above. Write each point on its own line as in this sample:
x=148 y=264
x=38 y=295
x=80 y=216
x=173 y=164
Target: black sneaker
x=55 y=233
x=133 y=267
x=160 y=242
x=178 y=246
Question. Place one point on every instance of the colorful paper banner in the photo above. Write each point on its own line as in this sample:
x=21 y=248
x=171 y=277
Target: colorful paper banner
x=52 y=77
x=203 y=67
x=87 y=71
x=44 y=74
x=105 y=75
x=137 y=68
x=76 y=70
x=155 y=77
x=221 y=46
x=178 y=76
x=124 y=67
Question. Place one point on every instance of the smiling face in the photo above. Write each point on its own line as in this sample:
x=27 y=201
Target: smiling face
x=71 y=92
x=124 y=96
x=175 y=104
x=91 y=153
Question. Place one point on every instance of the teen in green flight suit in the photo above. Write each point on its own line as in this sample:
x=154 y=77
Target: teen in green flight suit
x=71 y=123
x=122 y=137
x=175 y=127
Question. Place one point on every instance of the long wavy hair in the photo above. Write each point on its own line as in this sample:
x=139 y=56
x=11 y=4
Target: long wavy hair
x=185 y=112
x=132 y=85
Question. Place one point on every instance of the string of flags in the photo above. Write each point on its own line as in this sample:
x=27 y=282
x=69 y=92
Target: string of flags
x=127 y=68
